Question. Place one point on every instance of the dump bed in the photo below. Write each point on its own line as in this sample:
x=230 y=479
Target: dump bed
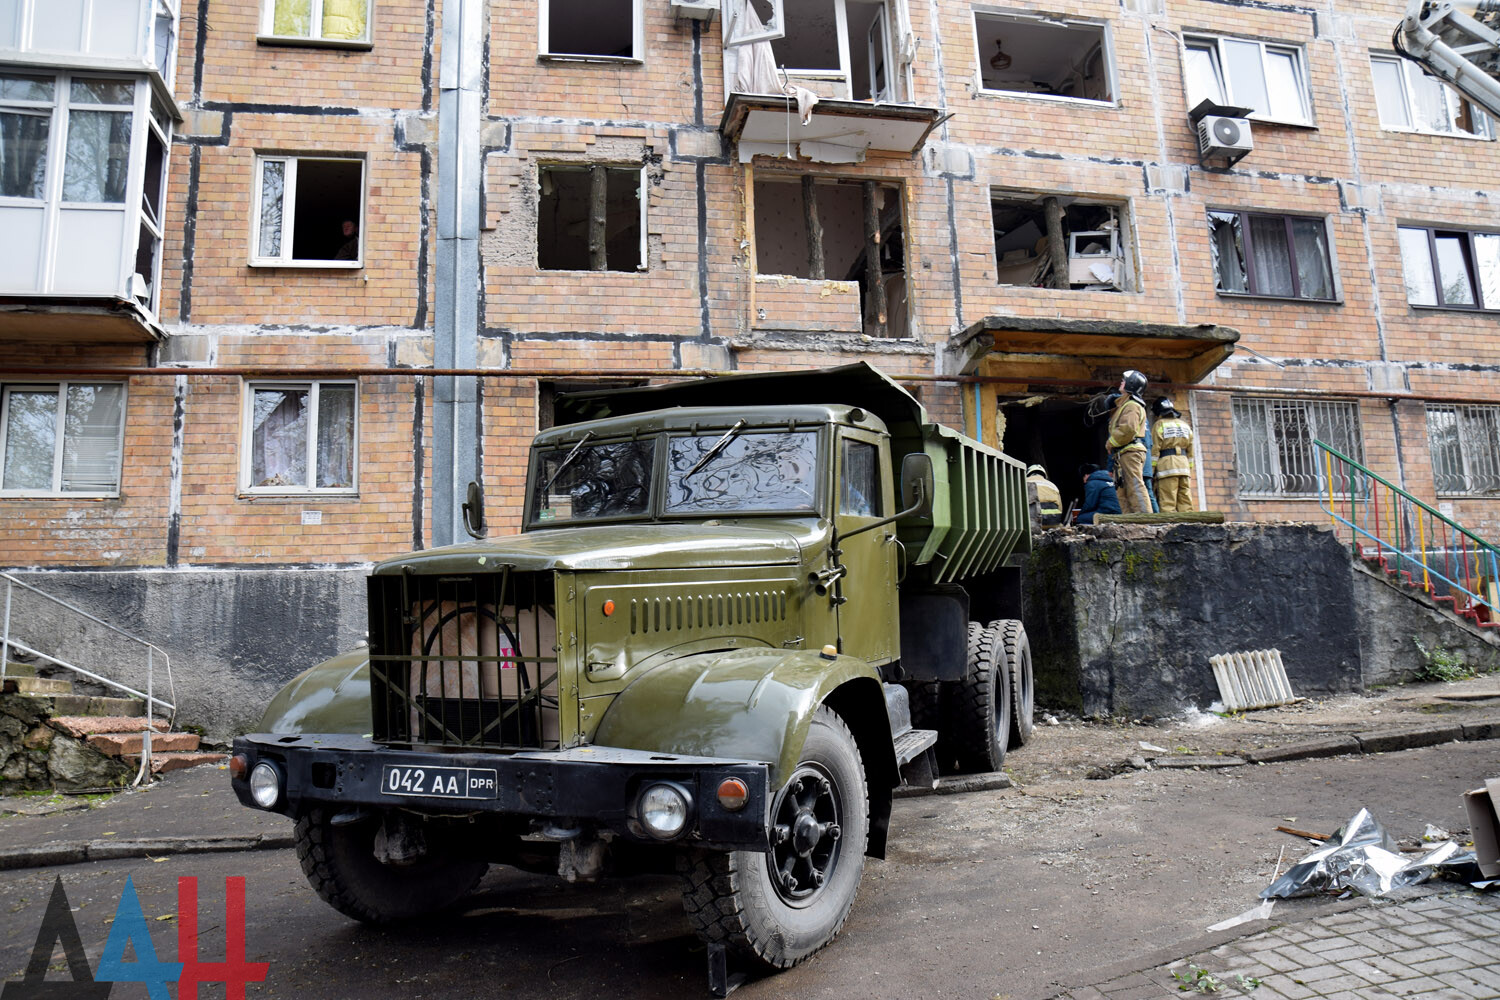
x=979 y=513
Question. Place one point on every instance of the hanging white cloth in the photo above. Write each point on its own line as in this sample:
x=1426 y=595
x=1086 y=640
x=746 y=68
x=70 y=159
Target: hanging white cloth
x=755 y=72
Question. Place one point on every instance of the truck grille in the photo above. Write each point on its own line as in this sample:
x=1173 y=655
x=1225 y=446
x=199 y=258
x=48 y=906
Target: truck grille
x=464 y=661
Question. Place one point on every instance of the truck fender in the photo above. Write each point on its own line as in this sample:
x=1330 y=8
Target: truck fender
x=332 y=697
x=758 y=704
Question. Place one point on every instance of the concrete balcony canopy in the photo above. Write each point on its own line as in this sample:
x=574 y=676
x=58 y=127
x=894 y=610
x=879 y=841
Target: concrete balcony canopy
x=77 y=319
x=1089 y=349
x=836 y=132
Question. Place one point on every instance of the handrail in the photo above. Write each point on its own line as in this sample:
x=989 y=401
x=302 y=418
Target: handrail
x=7 y=642
x=1396 y=489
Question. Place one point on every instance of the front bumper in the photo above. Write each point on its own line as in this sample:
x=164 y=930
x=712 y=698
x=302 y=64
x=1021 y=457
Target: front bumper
x=585 y=785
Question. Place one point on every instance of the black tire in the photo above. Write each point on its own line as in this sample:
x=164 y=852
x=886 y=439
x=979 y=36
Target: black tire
x=979 y=705
x=733 y=898
x=340 y=864
x=1022 y=683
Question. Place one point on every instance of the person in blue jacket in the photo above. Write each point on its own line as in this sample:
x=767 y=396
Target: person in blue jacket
x=1098 y=494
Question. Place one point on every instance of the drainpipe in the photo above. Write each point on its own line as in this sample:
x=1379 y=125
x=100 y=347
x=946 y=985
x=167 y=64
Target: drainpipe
x=456 y=310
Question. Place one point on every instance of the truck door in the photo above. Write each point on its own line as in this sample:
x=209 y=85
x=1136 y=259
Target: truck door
x=864 y=492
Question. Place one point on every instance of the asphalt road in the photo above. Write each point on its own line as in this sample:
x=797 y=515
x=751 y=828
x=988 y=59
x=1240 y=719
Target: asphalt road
x=1011 y=893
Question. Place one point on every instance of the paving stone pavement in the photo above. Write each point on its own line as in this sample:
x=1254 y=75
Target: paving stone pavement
x=1438 y=947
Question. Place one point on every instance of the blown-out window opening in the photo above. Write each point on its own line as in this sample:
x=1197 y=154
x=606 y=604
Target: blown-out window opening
x=1043 y=57
x=604 y=30
x=591 y=217
x=309 y=212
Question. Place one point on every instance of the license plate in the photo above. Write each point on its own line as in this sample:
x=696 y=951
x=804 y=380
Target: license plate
x=440 y=782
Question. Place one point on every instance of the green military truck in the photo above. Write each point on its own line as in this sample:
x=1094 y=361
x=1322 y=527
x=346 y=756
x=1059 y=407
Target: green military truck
x=738 y=612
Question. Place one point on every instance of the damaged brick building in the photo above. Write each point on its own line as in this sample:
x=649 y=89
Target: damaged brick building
x=273 y=198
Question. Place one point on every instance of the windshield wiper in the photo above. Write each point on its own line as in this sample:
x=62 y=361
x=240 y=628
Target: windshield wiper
x=713 y=452
x=568 y=460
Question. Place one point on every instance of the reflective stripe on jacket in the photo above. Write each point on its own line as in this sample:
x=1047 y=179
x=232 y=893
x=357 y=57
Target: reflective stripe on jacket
x=1127 y=425
x=1172 y=447
x=1048 y=499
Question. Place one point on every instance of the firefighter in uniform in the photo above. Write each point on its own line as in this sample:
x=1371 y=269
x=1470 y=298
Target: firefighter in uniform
x=1127 y=443
x=1048 y=500
x=1172 y=452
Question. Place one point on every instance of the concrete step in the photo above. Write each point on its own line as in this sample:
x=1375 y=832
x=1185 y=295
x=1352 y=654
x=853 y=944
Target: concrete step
x=120 y=744
x=37 y=685
x=14 y=669
x=161 y=763
x=77 y=704
x=88 y=725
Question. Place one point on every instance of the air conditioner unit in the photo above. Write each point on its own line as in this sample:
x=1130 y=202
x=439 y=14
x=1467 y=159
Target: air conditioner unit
x=696 y=10
x=1219 y=135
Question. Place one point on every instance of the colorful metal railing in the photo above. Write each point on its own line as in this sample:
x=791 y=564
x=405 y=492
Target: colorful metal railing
x=1410 y=540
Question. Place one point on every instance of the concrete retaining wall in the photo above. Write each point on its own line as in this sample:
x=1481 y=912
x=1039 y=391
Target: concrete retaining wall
x=234 y=636
x=1399 y=629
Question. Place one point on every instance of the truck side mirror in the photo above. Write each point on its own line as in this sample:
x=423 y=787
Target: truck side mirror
x=474 y=511
x=917 y=484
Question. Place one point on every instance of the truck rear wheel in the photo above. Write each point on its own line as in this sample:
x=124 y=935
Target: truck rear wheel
x=979 y=705
x=1022 y=684
x=340 y=864
x=779 y=906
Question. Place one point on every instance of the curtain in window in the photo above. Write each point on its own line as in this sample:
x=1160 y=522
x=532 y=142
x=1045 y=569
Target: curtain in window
x=344 y=18
x=278 y=438
x=272 y=188
x=1478 y=426
x=91 y=438
x=1252 y=448
x=98 y=156
x=1453 y=268
x=1294 y=448
x=1430 y=104
x=1416 y=267
x=30 y=439
x=1487 y=263
x=1227 y=245
x=23 y=155
x=1270 y=256
x=1442 y=445
x=1337 y=425
x=336 y=437
x=292 y=17
x=1310 y=247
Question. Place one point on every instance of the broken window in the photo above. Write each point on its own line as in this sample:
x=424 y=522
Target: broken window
x=1465 y=445
x=1056 y=58
x=299 y=437
x=1093 y=245
x=843 y=49
x=308 y=211
x=837 y=230
x=1238 y=71
x=315 y=20
x=1274 y=451
x=591 y=218
x=591 y=29
x=549 y=394
x=1285 y=256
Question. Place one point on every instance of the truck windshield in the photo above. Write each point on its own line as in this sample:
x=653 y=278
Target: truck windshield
x=609 y=479
x=753 y=472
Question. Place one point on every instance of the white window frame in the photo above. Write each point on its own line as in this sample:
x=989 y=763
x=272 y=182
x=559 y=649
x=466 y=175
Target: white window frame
x=60 y=110
x=267 y=33
x=1260 y=408
x=1475 y=461
x=637 y=39
x=898 y=41
x=61 y=388
x=1106 y=46
x=247 y=438
x=642 y=189
x=1451 y=100
x=289 y=211
x=1226 y=85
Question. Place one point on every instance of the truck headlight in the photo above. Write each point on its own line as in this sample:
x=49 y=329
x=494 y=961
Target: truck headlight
x=265 y=785
x=664 y=809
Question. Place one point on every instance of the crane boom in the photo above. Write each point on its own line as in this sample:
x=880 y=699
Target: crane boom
x=1459 y=46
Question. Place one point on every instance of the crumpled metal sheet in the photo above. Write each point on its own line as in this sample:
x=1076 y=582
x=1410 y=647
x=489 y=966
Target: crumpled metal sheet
x=1363 y=857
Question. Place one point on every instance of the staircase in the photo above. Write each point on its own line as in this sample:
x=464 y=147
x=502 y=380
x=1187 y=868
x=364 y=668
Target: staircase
x=1418 y=550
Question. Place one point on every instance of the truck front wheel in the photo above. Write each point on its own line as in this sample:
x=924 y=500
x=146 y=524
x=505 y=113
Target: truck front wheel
x=340 y=864
x=779 y=906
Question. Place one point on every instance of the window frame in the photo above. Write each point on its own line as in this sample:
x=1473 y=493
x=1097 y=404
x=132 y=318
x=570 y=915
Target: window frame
x=289 y=216
x=58 y=447
x=1407 y=67
x=1471 y=266
x=1106 y=48
x=1252 y=275
x=1467 y=460
x=247 y=439
x=266 y=25
x=643 y=182
x=1263 y=405
x=637 y=40
x=1127 y=281
x=1226 y=85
